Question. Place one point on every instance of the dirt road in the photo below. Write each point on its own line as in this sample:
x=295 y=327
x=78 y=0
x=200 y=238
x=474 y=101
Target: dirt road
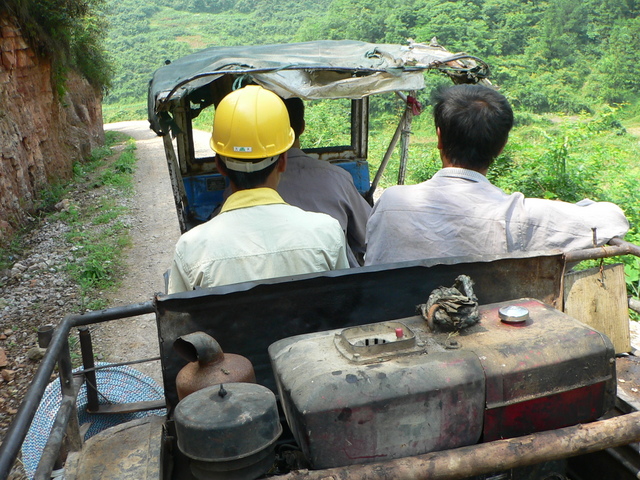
x=154 y=233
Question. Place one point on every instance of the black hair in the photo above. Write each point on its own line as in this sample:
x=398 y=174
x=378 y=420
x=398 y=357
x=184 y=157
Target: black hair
x=246 y=180
x=295 y=107
x=474 y=123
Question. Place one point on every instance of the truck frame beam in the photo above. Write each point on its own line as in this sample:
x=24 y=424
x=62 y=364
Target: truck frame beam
x=491 y=457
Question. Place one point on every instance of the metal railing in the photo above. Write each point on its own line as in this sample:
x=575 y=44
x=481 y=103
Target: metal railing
x=65 y=426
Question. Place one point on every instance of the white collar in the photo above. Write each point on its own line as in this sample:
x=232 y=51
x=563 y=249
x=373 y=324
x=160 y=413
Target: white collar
x=457 y=172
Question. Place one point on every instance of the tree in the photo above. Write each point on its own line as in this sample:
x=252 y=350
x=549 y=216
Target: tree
x=457 y=25
x=564 y=28
x=70 y=32
x=347 y=19
x=615 y=75
x=511 y=24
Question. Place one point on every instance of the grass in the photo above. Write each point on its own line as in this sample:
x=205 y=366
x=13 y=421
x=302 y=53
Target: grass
x=11 y=250
x=118 y=112
x=120 y=174
x=97 y=252
x=98 y=228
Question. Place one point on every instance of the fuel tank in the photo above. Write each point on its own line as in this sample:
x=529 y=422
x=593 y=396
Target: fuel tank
x=395 y=389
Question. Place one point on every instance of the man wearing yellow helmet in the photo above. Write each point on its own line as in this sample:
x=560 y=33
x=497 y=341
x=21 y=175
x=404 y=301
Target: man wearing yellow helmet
x=256 y=235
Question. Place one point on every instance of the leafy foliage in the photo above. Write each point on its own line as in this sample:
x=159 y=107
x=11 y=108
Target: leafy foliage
x=548 y=55
x=96 y=252
x=68 y=31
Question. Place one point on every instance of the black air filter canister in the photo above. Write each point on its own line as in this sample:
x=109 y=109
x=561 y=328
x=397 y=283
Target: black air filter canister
x=228 y=431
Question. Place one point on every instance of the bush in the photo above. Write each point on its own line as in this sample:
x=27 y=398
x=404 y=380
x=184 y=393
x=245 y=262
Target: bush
x=70 y=32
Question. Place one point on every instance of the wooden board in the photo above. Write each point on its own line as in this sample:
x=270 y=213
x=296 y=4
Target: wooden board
x=600 y=300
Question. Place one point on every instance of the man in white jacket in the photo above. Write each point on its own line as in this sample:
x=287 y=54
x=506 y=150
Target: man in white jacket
x=459 y=212
x=257 y=235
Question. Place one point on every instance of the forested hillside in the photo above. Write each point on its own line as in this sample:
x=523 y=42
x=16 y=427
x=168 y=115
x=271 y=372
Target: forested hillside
x=553 y=55
x=569 y=67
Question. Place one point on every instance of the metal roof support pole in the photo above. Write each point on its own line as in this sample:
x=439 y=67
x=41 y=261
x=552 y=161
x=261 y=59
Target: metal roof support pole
x=387 y=155
x=184 y=136
x=405 y=137
x=360 y=126
x=177 y=186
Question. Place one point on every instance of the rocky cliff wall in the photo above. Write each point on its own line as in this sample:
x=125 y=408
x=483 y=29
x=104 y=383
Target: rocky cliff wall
x=41 y=136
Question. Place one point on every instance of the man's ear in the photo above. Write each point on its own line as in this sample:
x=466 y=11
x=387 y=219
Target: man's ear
x=222 y=169
x=438 y=134
x=502 y=149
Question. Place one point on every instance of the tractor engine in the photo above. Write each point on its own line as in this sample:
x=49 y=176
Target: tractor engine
x=395 y=389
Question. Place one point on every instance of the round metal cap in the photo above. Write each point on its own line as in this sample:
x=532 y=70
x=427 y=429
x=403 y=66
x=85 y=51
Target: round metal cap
x=227 y=422
x=513 y=314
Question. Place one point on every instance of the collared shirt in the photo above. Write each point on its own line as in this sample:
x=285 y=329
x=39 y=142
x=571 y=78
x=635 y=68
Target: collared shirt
x=319 y=186
x=256 y=236
x=459 y=212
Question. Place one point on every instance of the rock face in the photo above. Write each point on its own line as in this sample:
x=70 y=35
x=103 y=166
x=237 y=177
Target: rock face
x=41 y=134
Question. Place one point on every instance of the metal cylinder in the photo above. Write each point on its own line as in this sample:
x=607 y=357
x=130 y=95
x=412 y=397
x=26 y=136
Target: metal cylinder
x=228 y=431
x=209 y=365
x=45 y=333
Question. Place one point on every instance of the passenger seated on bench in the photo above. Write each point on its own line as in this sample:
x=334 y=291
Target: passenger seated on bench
x=256 y=235
x=319 y=186
x=459 y=212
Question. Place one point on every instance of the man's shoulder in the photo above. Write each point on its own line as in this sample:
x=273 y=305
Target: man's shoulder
x=400 y=193
x=309 y=216
x=203 y=229
x=298 y=164
x=307 y=220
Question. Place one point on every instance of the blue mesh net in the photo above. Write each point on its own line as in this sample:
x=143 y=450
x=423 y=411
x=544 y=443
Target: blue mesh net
x=118 y=384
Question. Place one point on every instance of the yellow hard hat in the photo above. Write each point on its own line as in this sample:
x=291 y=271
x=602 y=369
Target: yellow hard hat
x=251 y=123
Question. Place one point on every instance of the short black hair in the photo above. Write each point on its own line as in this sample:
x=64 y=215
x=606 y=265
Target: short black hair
x=295 y=107
x=247 y=180
x=474 y=123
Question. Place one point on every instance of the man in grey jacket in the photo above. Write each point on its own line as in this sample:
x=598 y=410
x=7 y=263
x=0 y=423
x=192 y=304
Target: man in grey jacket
x=319 y=186
x=459 y=212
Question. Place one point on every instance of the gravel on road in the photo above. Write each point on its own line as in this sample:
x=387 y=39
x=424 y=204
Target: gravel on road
x=36 y=289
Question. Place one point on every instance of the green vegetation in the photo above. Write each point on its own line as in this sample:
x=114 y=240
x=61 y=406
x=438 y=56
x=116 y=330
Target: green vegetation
x=97 y=251
x=547 y=56
x=97 y=228
x=70 y=32
x=10 y=250
x=119 y=112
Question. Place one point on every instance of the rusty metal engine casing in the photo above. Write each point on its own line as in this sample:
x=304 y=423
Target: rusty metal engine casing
x=558 y=372
x=378 y=405
x=352 y=396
